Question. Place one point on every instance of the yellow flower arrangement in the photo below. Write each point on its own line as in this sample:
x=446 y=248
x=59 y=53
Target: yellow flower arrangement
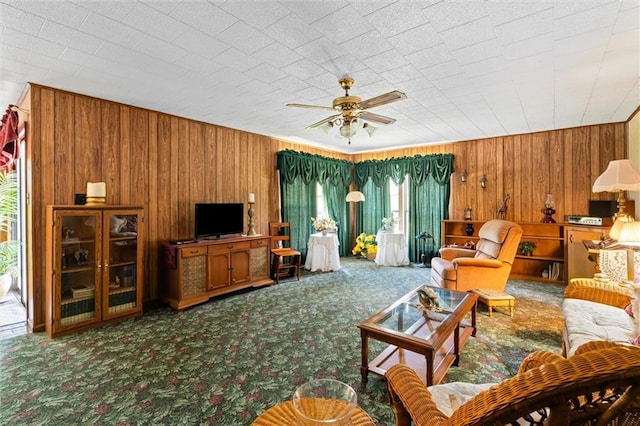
x=365 y=244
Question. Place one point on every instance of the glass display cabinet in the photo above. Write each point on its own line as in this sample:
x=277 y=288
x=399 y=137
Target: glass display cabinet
x=94 y=266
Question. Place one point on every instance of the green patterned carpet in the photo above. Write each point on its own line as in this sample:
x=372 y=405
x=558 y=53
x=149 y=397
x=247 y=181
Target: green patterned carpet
x=226 y=361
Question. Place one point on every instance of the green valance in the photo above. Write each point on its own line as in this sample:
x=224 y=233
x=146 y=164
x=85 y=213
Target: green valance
x=312 y=167
x=419 y=167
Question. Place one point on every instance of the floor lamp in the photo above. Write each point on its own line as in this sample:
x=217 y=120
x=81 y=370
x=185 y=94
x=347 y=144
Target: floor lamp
x=355 y=197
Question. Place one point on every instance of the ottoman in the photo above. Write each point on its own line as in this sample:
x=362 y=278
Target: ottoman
x=493 y=298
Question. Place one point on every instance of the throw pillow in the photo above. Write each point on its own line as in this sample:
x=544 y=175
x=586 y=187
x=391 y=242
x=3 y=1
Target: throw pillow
x=116 y=224
x=629 y=310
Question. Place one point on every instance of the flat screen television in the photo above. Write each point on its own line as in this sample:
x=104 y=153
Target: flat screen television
x=213 y=220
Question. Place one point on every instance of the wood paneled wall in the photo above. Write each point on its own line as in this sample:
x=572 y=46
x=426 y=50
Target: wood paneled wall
x=166 y=163
x=563 y=163
x=162 y=162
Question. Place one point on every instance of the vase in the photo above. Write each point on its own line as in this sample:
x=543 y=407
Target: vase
x=324 y=232
x=371 y=256
x=469 y=229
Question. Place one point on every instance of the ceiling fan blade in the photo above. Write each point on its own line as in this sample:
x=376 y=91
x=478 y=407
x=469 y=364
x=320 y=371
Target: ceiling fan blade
x=311 y=106
x=387 y=98
x=321 y=122
x=369 y=116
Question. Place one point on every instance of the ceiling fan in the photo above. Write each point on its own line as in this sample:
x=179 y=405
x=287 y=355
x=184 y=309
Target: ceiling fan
x=353 y=112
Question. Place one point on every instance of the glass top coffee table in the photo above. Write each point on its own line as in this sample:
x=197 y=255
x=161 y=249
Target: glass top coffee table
x=428 y=344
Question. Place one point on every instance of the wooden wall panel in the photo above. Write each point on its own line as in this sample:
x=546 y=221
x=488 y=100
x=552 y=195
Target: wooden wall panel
x=510 y=186
x=111 y=149
x=87 y=160
x=167 y=163
x=123 y=196
x=64 y=153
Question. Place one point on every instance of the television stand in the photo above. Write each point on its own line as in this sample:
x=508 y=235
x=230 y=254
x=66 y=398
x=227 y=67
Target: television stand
x=212 y=267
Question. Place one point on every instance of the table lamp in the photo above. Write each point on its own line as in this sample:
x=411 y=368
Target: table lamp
x=630 y=238
x=619 y=176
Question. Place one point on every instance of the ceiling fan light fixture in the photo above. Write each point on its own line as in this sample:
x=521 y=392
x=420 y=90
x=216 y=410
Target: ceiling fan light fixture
x=352 y=112
x=326 y=127
x=346 y=131
x=369 y=128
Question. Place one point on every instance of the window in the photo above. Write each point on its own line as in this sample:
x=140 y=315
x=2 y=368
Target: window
x=321 y=205
x=399 y=199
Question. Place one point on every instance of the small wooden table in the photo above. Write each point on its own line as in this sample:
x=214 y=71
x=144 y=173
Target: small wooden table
x=284 y=414
x=428 y=345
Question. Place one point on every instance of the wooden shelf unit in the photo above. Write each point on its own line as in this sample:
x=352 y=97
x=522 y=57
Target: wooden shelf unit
x=94 y=266
x=551 y=241
x=210 y=268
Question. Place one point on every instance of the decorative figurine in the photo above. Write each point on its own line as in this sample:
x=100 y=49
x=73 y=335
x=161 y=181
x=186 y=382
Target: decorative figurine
x=502 y=211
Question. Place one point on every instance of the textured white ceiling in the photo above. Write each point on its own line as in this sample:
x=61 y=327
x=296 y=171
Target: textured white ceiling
x=470 y=69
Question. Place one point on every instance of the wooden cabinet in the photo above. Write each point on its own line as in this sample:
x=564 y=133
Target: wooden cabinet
x=549 y=254
x=580 y=263
x=94 y=264
x=199 y=271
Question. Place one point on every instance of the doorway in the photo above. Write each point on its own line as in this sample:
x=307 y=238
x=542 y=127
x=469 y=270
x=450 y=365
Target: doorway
x=13 y=313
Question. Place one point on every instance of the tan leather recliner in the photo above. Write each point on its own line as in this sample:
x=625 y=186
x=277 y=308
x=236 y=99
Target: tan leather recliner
x=488 y=266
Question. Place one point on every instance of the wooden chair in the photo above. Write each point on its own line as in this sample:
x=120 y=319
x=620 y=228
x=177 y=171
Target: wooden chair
x=285 y=261
x=599 y=385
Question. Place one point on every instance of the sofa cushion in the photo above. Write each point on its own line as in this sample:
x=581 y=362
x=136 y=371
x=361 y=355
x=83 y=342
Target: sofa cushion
x=586 y=321
x=449 y=396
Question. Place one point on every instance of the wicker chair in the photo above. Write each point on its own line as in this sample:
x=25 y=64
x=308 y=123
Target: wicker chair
x=599 y=385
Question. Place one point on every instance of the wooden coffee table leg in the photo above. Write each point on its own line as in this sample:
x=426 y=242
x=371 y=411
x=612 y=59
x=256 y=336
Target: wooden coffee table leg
x=474 y=313
x=429 y=358
x=364 y=367
x=456 y=344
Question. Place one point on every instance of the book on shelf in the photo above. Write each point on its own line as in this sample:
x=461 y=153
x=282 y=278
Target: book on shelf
x=82 y=291
x=555 y=271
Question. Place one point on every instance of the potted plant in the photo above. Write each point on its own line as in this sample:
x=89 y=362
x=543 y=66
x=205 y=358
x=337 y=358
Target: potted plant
x=9 y=248
x=366 y=246
x=526 y=248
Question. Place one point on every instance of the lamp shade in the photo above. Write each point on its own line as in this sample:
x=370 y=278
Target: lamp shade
x=630 y=234
x=355 y=196
x=620 y=175
x=614 y=232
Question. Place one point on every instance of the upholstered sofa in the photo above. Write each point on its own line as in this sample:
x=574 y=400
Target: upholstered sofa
x=595 y=310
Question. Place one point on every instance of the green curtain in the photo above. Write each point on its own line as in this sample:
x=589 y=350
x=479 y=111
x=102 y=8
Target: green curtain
x=299 y=173
x=429 y=205
x=338 y=210
x=429 y=192
x=376 y=205
x=300 y=207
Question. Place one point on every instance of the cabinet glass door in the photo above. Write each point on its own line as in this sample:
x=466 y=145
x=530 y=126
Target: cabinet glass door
x=78 y=258
x=121 y=292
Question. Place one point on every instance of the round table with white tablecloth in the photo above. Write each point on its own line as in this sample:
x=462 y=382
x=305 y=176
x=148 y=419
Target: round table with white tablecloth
x=392 y=249
x=322 y=252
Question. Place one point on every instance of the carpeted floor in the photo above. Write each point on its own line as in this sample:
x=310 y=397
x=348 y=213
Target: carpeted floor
x=226 y=361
